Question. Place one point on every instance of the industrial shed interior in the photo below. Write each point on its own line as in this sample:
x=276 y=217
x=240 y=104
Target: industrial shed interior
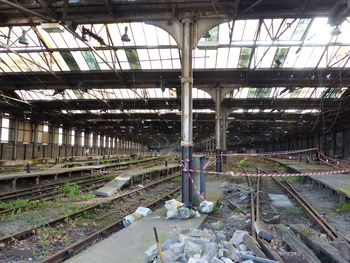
x=200 y=131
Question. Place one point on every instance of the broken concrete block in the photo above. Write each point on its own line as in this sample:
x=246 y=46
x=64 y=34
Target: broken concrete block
x=226 y=260
x=217 y=225
x=210 y=251
x=192 y=248
x=193 y=232
x=220 y=236
x=237 y=237
x=216 y=260
x=279 y=200
x=196 y=260
x=208 y=234
x=248 y=261
x=177 y=248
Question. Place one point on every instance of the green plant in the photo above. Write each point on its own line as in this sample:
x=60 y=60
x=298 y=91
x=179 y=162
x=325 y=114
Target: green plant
x=294 y=211
x=242 y=162
x=343 y=207
x=86 y=197
x=70 y=190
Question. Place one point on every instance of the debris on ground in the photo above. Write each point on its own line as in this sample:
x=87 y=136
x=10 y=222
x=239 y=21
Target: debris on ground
x=204 y=246
x=137 y=215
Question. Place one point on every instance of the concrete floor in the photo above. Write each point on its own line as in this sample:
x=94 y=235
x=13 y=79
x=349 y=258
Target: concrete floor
x=130 y=244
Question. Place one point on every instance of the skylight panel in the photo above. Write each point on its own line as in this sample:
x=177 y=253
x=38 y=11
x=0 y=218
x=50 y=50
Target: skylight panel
x=250 y=29
x=319 y=32
x=144 y=58
x=155 y=59
x=224 y=33
x=80 y=60
x=244 y=57
x=341 y=57
x=221 y=61
x=133 y=58
x=175 y=58
x=151 y=35
x=163 y=36
x=263 y=57
x=139 y=34
x=19 y=62
x=233 y=57
x=70 y=60
x=90 y=60
x=198 y=58
x=210 y=58
x=289 y=26
x=4 y=67
x=46 y=56
x=300 y=29
x=101 y=64
x=33 y=64
x=115 y=34
x=123 y=59
x=291 y=57
x=165 y=55
x=46 y=38
x=242 y=93
x=60 y=61
x=238 y=30
x=303 y=57
x=280 y=57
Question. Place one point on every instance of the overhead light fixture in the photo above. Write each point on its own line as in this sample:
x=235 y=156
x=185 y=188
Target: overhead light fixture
x=335 y=31
x=23 y=39
x=52 y=27
x=125 y=37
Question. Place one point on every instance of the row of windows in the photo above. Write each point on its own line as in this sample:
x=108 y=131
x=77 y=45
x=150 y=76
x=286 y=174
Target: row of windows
x=25 y=134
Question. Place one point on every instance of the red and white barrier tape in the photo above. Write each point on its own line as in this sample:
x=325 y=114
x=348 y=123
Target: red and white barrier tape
x=271 y=153
x=188 y=172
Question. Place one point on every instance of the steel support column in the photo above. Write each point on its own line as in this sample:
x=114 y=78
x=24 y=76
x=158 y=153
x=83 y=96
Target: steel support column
x=224 y=139
x=186 y=109
x=218 y=128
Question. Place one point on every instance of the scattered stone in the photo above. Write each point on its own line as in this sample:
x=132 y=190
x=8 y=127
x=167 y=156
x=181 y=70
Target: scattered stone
x=192 y=248
x=248 y=261
x=210 y=251
x=274 y=220
x=226 y=260
x=216 y=260
x=279 y=200
x=220 y=236
x=217 y=225
x=208 y=234
x=237 y=237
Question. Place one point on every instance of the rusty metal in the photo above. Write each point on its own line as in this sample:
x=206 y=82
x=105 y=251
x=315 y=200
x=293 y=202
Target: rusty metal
x=31 y=231
x=311 y=212
x=81 y=245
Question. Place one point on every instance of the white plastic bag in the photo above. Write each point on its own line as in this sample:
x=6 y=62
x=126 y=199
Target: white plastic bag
x=130 y=219
x=206 y=207
x=172 y=214
x=143 y=211
x=173 y=204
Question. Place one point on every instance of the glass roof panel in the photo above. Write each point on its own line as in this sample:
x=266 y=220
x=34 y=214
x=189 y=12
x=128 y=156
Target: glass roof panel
x=90 y=60
x=60 y=61
x=221 y=60
x=210 y=59
x=198 y=59
x=69 y=60
x=144 y=58
x=78 y=56
x=19 y=62
x=319 y=32
x=301 y=29
x=244 y=57
x=155 y=58
x=5 y=59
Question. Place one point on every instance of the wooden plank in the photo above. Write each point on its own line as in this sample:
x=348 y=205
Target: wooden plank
x=250 y=243
x=296 y=244
x=312 y=239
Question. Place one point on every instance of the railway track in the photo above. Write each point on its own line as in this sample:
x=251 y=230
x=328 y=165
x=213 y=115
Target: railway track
x=51 y=191
x=117 y=207
x=326 y=227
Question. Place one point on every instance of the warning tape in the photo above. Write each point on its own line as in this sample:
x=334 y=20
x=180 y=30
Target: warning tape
x=271 y=153
x=270 y=174
x=188 y=172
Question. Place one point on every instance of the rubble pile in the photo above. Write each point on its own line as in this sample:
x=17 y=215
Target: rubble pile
x=203 y=246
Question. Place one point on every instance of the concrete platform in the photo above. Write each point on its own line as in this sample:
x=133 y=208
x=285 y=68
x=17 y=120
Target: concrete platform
x=127 y=178
x=130 y=244
x=339 y=183
x=60 y=171
x=300 y=167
